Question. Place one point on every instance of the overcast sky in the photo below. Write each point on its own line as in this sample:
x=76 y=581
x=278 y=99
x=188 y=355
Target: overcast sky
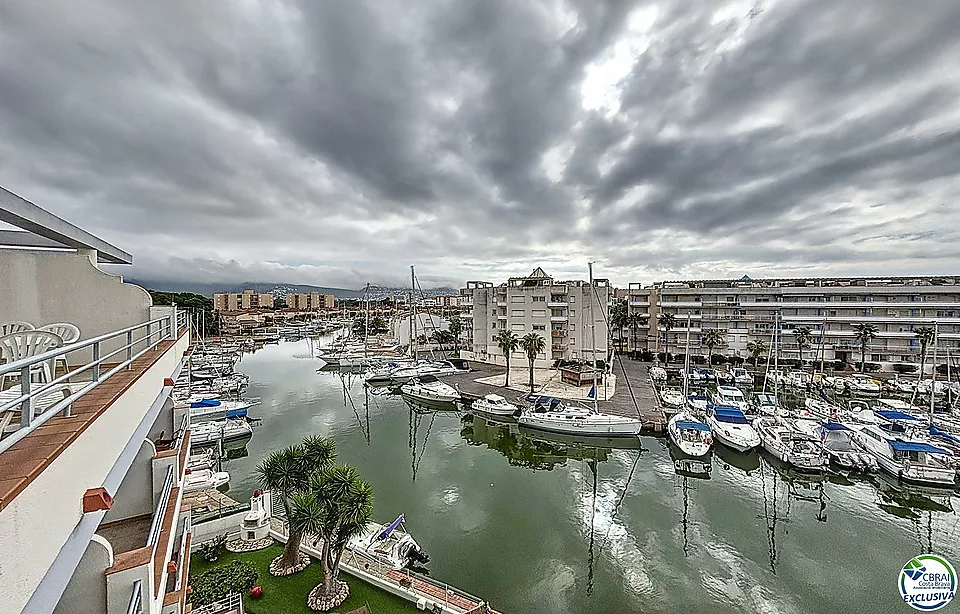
x=337 y=142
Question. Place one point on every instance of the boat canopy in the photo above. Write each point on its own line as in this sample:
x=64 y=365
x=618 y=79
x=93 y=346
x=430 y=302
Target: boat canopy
x=835 y=426
x=427 y=379
x=694 y=426
x=390 y=528
x=916 y=446
x=732 y=415
x=889 y=414
x=944 y=435
x=205 y=403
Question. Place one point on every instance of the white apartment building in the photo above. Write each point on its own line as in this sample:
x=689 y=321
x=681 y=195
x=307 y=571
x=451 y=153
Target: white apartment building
x=747 y=309
x=569 y=315
x=92 y=456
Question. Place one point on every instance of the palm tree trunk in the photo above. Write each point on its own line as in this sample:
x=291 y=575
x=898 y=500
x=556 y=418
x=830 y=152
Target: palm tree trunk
x=863 y=357
x=506 y=379
x=329 y=580
x=291 y=550
x=531 y=375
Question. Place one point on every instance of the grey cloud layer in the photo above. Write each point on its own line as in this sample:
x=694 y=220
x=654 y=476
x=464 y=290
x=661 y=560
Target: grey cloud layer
x=335 y=142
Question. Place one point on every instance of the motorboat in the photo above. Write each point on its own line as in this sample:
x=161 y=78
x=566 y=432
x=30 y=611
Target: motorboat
x=205 y=479
x=215 y=431
x=201 y=460
x=202 y=408
x=672 y=398
x=494 y=405
x=821 y=408
x=730 y=396
x=698 y=402
x=401 y=374
x=658 y=374
x=697 y=376
x=765 y=404
x=838 y=445
x=906 y=457
x=389 y=545
x=790 y=445
x=861 y=382
x=731 y=427
x=690 y=434
x=742 y=377
x=429 y=388
x=550 y=414
x=797 y=379
x=725 y=377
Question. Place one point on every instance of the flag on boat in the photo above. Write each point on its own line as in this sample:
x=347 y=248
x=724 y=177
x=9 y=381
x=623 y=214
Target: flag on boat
x=593 y=391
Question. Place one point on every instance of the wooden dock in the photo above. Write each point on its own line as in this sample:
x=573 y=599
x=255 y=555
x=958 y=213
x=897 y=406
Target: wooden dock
x=635 y=395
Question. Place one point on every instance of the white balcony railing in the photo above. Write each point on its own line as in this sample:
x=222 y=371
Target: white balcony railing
x=135 y=606
x=134 y=341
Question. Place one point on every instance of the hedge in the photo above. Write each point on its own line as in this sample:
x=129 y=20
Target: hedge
x=905 y=367
x=236 y=577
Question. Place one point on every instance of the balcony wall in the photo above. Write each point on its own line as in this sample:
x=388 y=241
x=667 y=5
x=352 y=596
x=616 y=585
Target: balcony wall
x=43 y=287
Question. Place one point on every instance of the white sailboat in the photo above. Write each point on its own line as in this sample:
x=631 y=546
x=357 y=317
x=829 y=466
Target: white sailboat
x=690 y=434
x=792 y=446
x=580 y=421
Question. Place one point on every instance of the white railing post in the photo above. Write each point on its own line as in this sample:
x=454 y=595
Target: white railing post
x=149 y=334
x=173 y=331
x=129 y=350
x=96 y=357
x=26 y=406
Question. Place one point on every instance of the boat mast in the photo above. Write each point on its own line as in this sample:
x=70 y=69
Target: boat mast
x=766 y=370
x=593 y=338
x=413 y=313
x=686 y=364
x=823 y=349
x=366 y=326
x=776 y=356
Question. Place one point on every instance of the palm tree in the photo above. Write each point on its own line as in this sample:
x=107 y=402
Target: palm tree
x=925 y=335
x=439 y=337
x=802 y=335
x=634 y=321
x=532 y=344
x=378 y=325
x=336 y=507
x=455 y=328
x=508 y=343
x=757 y=349
x=288 y=472
x=712 y=338
x=666 y=322
x=618 y=320
x=864 y=334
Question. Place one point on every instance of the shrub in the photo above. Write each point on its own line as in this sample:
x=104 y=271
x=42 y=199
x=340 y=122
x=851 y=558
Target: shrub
x=905 y=367
x=718 y=359
x=789 y=362
x=839 y=365
x=236 y=577
x=872 y=367
x=210 y=550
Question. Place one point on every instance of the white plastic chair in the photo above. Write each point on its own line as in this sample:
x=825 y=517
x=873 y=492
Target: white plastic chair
x=69 y=334
x=10 y=419
x=14 y=327
x=25 y=344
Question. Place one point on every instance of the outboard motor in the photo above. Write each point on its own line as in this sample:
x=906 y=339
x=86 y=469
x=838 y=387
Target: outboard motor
x=418 y=556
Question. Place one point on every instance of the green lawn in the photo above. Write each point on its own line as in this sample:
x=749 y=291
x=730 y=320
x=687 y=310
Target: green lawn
x=289 y=595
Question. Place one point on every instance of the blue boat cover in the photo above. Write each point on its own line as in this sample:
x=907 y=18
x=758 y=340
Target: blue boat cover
x=916 y=446
x=237 y=413
x=205 y=403
x=890 y=414
x=732 y=415
x=944 y=435
x=835 y=426
x=393 y=525
x=690 y=424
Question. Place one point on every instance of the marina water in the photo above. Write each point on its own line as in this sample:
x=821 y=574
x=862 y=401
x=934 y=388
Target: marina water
x=521 y=521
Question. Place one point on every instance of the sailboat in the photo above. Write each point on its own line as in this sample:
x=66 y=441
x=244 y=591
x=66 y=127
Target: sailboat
x=794 y=447
x=686 y=430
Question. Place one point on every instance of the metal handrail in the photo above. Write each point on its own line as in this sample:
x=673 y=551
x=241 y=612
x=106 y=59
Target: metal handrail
x=136 y=599
x=158 y=513
x=182 y=433
x=28 y=394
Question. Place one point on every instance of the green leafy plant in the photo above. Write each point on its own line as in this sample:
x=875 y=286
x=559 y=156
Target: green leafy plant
x=210 y=550
x=235 y=577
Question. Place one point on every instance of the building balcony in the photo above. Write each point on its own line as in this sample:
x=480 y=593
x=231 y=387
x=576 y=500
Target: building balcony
x=669 y=304
x=852 y=305
x=501 y=316
x=639 y=303
x=558 y=333
x=558 y=348
x=558 y=318
x=501 y=303
x=467 y=314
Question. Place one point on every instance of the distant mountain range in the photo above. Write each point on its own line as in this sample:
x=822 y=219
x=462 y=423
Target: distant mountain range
x=277 y=289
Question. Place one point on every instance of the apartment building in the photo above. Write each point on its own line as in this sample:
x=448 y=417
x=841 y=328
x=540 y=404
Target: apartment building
x=91 y=516
x=570 y=315
x=747 y=309
x=442 y=300
x=240 y=301
x=311 y=301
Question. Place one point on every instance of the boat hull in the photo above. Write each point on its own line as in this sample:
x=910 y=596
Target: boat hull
x=580 y=427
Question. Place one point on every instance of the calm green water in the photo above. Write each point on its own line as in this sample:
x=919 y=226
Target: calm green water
x=525 y=524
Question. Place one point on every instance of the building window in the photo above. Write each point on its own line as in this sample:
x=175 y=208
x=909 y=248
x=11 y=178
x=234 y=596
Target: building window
x=731 y=299
x=518 y=327
x=573 y=312
x=517 y=299
x=539 y=299
x=517 y=313
x=573 y=299
x=539 y=313
x=573 y=342
x=539 y=327
x=573 y=327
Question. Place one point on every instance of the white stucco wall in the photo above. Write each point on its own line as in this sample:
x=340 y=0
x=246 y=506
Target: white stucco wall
x=135 y=495
x=40 y=518
x=46 y=287
x=87 y=589
x=427 y=324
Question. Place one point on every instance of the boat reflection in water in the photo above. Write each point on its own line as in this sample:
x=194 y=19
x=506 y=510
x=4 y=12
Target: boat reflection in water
x=747 y=462
x=688 y=470
x=928 y=508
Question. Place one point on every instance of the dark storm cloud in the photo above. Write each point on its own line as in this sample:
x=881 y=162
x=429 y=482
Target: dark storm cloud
x=336 y=142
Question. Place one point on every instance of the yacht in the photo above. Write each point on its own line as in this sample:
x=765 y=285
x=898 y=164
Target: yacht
x=765 y=404
x=697 y=402
x=908 y=458
x=213 y=432
x=821 y=408
x=792 y=446
x=742 y=377
x=731 y=396
x=205 y=479
x=690 y=434
x=556 y=417
x=658 y=374
x=429 y=388
x=203 y=408
x=403 y=373
x=388 y=544
x=672 y=398
x=731 y=427
x=838 y=445
x=861 y=382
x=495 y=405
